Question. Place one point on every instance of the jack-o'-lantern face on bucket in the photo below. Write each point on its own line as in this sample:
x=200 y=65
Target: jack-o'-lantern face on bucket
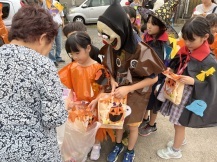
x=116 y=113
x=170 y=86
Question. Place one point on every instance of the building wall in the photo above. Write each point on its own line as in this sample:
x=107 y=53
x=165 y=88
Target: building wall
x=186 y=8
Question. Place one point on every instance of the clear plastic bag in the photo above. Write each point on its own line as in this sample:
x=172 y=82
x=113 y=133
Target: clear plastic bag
x=78 y=140
x=61 y=129
x=60 y=134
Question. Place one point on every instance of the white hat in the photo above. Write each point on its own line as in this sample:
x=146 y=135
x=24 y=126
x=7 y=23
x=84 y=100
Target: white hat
x=158 y=4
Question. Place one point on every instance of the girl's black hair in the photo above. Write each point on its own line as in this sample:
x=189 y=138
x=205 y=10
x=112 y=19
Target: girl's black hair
x=143 y=27
x=132 y=14
x=78 y=39
x=73 y=26
x=212 y=19
x=130 y=11
x=198 y=26
x=156 y=21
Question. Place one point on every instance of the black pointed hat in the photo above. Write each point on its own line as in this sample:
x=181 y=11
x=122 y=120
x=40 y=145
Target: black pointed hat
x=164 y=13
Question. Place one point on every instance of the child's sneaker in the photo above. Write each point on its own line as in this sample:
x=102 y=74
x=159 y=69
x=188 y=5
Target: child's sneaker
x=147 y=130
x=128 y=157
x=95 y=153
x=113 y=155
x=144 y=123
x=170 y=143
x=168 y=153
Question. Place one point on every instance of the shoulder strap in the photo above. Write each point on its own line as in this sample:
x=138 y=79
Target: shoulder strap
x=214 y=9
x=183 y=65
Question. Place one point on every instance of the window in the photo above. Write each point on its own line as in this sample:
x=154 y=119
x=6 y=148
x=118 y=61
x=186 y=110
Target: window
x=105 y=2
x=88 y=3
x=95 y=3
x=5 y=10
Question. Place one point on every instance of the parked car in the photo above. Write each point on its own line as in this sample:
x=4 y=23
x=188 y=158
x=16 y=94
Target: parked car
x=10 y=7
x=89 y=10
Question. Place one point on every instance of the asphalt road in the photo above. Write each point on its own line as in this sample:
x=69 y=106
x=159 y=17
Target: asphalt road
x=201 y=143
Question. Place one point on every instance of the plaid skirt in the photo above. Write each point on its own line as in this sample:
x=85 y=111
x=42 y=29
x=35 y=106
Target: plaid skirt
x=175 y=111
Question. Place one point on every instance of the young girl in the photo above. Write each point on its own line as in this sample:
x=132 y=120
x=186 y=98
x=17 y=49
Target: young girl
x=212 y=19
x=131 y=13
x=193 y=60
x=79 y=76
x=156 y=37
x=135 y=5
x=79 y=26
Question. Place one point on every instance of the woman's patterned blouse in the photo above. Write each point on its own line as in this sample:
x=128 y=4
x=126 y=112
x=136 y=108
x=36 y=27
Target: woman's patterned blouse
x=31 y=106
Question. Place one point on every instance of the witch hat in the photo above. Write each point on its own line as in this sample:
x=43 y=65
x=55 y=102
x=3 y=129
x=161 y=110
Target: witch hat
x=149 y=6
x=166 y=11
x=158 y=4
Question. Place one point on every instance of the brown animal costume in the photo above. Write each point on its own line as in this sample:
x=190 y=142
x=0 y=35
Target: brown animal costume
x=128 y=61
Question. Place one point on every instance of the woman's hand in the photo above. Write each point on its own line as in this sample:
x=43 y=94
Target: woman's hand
x=121 y=92
x=93 y=104
x=186 y=80
x=69 y=104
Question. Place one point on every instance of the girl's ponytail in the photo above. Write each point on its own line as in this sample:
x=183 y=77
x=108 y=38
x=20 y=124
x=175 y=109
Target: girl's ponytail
x=211 y=38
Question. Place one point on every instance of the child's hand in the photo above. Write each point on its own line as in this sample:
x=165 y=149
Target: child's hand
x=114 y=84
x=93 y=104
x=169 y=69
x=186 y=80
x=121 y=92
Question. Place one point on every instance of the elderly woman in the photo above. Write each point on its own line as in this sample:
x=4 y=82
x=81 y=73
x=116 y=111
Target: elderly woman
x=31 y=104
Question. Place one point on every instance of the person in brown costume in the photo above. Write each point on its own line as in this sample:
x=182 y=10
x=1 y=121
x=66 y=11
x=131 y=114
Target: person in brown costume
x=134 y=67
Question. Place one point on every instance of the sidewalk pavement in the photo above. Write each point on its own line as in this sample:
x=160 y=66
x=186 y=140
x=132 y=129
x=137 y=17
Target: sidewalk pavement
x=201 y=143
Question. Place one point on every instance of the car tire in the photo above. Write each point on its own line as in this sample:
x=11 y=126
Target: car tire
x=80 y=19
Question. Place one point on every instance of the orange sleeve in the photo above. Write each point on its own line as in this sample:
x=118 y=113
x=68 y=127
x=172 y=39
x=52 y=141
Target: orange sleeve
x=65 y=76
x=213 y=46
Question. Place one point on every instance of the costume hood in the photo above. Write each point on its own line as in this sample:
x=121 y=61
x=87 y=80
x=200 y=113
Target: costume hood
x=116 y=19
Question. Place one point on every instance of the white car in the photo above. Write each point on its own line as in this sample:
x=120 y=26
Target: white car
x=90 y=10
x=10 y=7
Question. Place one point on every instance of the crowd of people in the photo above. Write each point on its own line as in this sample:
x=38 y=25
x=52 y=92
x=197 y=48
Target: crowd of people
x=136 y=63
